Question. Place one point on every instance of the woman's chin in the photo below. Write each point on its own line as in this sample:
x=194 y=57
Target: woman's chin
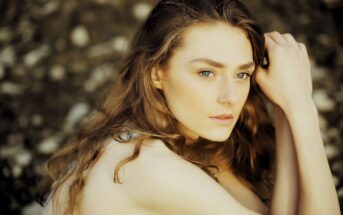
x=218 y=137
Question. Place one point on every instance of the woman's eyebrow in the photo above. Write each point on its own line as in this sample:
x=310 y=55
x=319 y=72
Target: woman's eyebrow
x=221 y=65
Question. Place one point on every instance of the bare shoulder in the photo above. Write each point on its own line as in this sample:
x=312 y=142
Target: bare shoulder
x=158 y=181
x=162 y=181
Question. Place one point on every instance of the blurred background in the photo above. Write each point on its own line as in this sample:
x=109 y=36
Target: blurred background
x=56 y=57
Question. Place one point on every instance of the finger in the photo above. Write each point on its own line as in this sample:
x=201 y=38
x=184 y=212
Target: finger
x=303 y=49
x=277 y=38
x=270 y=45
x=260 y=75
x=269 y=42
x=290 y=39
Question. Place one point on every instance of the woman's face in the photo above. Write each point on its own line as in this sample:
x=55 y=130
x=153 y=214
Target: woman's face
x=208 y=76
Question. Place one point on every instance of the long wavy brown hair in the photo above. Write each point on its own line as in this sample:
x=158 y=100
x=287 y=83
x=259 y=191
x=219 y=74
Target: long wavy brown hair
x=134 y=104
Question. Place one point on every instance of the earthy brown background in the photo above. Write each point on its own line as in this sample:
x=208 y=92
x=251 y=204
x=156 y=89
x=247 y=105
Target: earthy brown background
x=57 y=55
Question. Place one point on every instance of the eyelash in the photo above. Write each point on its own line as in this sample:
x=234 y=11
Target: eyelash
x=244 y=73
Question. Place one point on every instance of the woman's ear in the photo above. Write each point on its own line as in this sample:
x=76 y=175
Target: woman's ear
x=157 y=76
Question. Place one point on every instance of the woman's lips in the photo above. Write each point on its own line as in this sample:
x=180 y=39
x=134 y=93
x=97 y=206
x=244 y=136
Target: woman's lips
x=226 y=120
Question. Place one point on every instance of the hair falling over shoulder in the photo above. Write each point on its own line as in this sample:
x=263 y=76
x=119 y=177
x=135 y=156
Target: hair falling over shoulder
x=141 y=108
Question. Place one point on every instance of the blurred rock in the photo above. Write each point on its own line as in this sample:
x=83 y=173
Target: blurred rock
x=26 y=30
x=2 y=71
x=75 y=115
x=323 y=124
x=337 y=167
x=141 y=10
x=332 y=3
x=324 y=39
x=41 y=168
x=19 y=71
x=78 y=66
x=339 y=95
x=7 y=55
x=49 y=145
x=33 y=57
x=336 y=180
x=100 y=50
x=16 y=170
x=9 y=151
x=304 y=19
x=60 y=44
x=114 y=3
x=5 y=35
x=339 y=58
x=120 y=44
x=57 y=73
x=47 y=8
x=98 y=77
x=332 y=151
x=6 y=172
x=340 y=193
x=79 y=36
x=23 y=121
x=90 y=85
x=23 y=158
x=317 y=73
x=38 y=73
x=333 y=135
x=102 y=1
x=323 y=101
x=10 y=88
x=15 y=139
x=37 y=120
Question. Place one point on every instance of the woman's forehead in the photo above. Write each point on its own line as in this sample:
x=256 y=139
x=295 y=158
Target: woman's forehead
x=216 y=41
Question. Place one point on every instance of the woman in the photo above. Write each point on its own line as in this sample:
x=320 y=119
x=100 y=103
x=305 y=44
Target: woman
x=186 y=130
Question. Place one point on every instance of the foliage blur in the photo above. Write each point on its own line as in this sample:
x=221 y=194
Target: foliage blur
x=56 y=57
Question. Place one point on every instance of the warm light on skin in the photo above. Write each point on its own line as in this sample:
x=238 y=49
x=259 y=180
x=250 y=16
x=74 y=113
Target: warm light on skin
x=208 y=76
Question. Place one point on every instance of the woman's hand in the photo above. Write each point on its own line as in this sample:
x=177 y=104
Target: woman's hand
x=287 y=80
x=287 y=83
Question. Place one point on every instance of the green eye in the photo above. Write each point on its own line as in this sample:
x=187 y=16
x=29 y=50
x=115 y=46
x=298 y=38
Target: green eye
x=205 y=73
x=243 y=75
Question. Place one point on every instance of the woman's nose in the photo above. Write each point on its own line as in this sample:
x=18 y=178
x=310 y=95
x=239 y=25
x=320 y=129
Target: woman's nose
x=228 y=93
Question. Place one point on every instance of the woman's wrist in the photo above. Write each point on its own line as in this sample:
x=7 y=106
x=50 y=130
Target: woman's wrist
x=300 y=106
x=303 y=119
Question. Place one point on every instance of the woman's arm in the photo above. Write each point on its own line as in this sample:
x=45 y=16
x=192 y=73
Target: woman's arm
x=286 y=188
x=162 y=182
x=317 y=190
x=287 y=82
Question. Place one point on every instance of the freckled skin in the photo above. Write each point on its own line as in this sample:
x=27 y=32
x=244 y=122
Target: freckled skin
x=192 y=96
